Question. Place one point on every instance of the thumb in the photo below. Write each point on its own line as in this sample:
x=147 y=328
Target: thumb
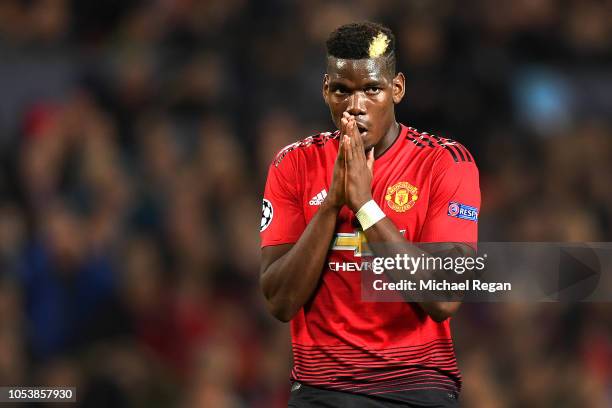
x=370 y=160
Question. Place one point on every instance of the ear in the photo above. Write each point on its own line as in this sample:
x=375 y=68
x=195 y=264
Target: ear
x=399 y=88
x=325 y=89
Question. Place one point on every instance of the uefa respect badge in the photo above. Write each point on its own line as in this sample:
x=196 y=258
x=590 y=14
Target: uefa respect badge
x=465 y=212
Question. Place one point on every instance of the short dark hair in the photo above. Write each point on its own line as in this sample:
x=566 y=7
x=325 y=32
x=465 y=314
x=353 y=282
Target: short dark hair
x=355 y=41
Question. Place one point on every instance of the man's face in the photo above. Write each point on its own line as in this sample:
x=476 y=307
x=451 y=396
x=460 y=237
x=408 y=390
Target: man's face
x=365 y=89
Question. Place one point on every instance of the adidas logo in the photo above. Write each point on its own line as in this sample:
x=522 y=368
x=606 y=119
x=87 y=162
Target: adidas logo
x=318 y=199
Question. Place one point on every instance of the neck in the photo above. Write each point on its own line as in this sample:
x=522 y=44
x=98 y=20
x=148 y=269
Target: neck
x=387 y=140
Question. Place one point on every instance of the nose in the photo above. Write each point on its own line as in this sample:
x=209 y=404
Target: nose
x=356 y=105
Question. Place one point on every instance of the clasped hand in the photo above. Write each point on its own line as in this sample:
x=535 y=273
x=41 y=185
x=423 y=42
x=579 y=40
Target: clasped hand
x=352 y=178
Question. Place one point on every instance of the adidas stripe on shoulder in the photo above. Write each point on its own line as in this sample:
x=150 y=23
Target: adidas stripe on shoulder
x=422 y=139
x=316 y=140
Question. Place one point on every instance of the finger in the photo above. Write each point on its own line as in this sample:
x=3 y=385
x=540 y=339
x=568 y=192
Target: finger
x=343 y=130
x=347 y=147
x=341 y=149
x=351 y=129
x=358 y=138
x=370 y=161
x=355 y=132
x=356 y=145
x=348 y=153
x=345 y=120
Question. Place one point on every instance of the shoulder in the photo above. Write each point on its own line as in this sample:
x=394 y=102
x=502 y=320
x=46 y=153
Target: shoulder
x=441 y=153
x=443 y=149
x=305 y=146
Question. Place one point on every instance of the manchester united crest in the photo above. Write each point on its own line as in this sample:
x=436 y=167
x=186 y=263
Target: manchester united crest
x=401 y=196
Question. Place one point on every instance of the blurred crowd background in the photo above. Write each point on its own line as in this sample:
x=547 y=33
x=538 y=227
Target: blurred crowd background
x=135 y=138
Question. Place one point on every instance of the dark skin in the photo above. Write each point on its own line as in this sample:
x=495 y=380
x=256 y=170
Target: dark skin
x=361 y=95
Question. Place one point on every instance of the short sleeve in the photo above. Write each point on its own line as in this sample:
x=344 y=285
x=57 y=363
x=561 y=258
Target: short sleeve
x=454 y=203
x=282 y=218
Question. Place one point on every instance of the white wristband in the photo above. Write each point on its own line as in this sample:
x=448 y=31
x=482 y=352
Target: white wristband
x=369 y=214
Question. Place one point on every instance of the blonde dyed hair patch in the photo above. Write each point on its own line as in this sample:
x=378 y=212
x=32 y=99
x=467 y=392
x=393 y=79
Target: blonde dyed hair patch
x=378 y=45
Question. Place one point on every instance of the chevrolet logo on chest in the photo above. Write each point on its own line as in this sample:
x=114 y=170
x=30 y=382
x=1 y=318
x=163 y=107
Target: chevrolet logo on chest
x=352 y=241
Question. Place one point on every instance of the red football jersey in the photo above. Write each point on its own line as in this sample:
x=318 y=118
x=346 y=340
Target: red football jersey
x=394 y=350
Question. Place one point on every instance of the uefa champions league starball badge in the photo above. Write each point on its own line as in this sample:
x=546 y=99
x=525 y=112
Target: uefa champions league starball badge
x=267 y=212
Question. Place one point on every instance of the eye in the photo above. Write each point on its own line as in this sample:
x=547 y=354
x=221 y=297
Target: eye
x=340 y=91
x=372 y=90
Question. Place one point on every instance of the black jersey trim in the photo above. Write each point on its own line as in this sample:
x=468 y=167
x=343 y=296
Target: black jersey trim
x=319 y=140
x=457 y=151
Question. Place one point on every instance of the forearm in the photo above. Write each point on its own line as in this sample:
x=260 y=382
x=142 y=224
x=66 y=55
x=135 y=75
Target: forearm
x=289 y=282
x=386 y=234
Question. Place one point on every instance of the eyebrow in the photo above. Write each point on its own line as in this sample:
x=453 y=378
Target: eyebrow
x=338 y=82
x=374 y=82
